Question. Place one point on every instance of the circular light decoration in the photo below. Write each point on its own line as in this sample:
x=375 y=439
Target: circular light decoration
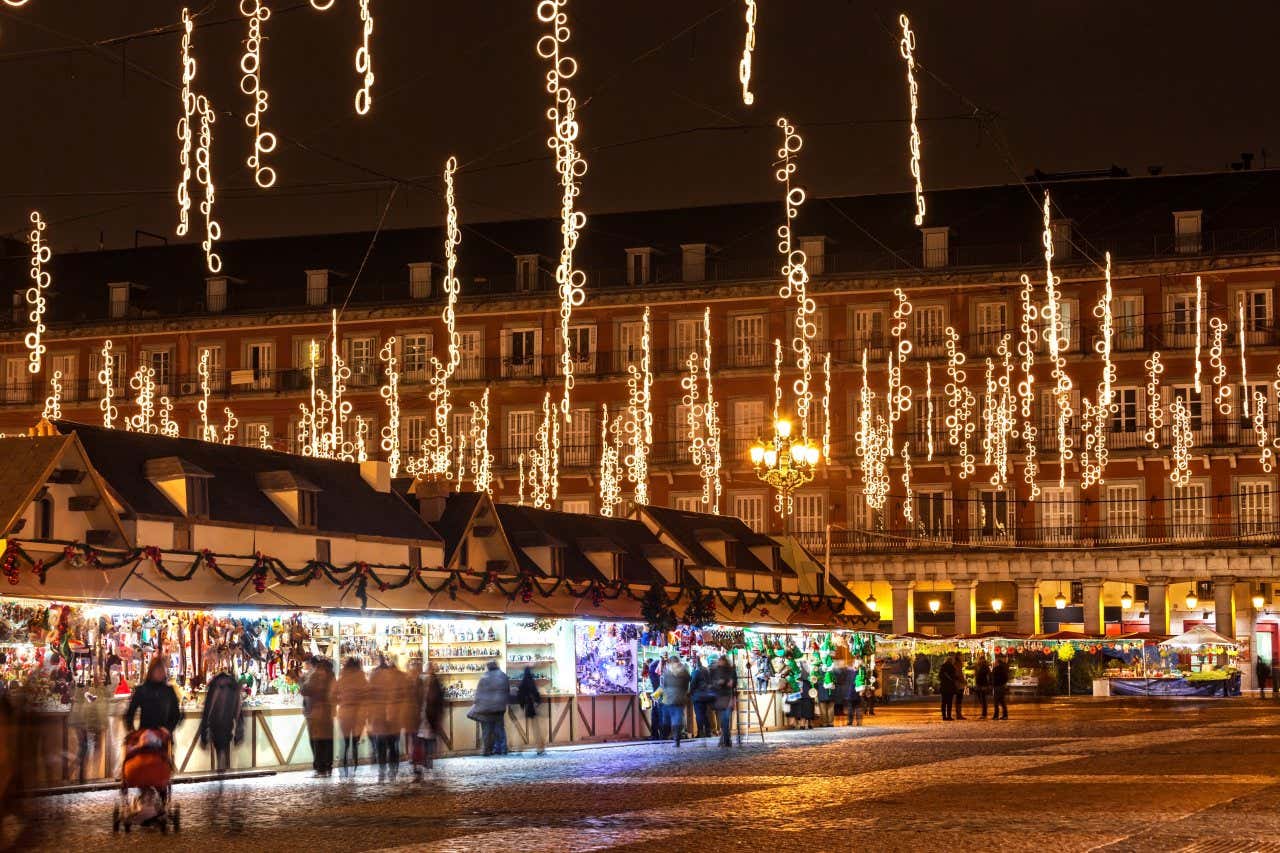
x=638 y=420
x=53 y=403
x=168 y=426
x=229 y=429
x=481 y=457
x=1191 y=600
x=934 y=605
x=188 y=102
x=40 y=279
x=1058 y=338
x=712 y=485
x=1126 y=600
x=1060 y=601
x=106 y=379
x=610 y=467
x=795 y=276
x=997 y=604
x=364 y=58
x=907 y=47
x=204 y=174
x=872 y=604
x=749 y=45
x=1155 y=412
x=390 y=391
x=264 y=142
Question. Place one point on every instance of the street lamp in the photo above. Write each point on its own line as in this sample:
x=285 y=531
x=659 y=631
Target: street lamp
x=1060 y=600
x=935 y=604
x=1259 y=600
x=997 y=604
x=1126 y=600
x=1191 y=600
x=872 y=604
x=785 y=463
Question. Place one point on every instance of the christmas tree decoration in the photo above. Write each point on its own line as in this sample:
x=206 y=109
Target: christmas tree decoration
x=41 y=254
x=748 y=46
x=907 y=48
x=656 y=610
x=256 y=13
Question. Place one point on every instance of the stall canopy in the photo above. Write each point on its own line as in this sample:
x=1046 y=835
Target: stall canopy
x=1198 y=637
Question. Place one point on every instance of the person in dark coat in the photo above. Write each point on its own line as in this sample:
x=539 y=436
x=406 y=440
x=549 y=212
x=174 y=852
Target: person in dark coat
x=317 y=706
x=982 y=683
x=1262 y=670
x=432 y=715
x=1000 y=688
x=921 y=667
x=221 y=722
x=724 y=683
x=493 y=692
x=530 y=699
x=154 y=701
x=947 y=685
x=701 y=694
x=962 y=684
x=802 y=707
x=658 y=728
x=854 y=684
x=675 y=692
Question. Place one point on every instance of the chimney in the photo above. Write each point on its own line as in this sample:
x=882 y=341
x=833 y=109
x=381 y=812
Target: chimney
x=377 y=474
x=431 y=496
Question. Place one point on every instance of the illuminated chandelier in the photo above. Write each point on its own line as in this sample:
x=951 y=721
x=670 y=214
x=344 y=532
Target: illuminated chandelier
x=785 y=463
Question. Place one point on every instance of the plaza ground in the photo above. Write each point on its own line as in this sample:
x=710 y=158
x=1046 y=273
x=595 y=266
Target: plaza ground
x=1079 y=775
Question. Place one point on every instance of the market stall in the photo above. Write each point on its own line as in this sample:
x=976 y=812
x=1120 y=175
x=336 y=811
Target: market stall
x=1196 y=664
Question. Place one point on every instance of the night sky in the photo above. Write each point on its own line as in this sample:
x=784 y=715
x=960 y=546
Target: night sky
x=1075 y=85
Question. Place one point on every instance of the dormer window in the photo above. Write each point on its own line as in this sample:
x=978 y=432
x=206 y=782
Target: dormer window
x=184 y=484
x=1187 y=231
x=815 y=254
x=317 y=287
x=421 y=276
x=294 y=495
x=1060 y=231
x=693 y=261
x=526 y=272
x=215 y=294
x=119 y=291
x=639 y=265
x=937 y=248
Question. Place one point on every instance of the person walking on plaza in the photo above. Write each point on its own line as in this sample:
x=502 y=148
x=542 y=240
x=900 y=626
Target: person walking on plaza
x=854 y=683
x=221 y=722
x=675 y=692
x=429 y=727
x=802 y=707
x=89 y=718
x=658 y=729
x=920 y=669
x=1000 y=686
x=493 y=693
x=154 y=702
x=947 y=685
x=962 y=684
x=530 y=700
x=1262 y=671
x=701 y=695
x=982 y=682
x=724 y=682
x=317 y=706
x=351 y=692
x=383 y=706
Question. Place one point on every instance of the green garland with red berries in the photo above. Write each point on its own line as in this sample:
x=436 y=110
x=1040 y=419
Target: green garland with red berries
x=358 y=575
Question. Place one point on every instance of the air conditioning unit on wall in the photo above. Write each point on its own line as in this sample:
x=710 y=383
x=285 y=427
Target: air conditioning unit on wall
x=186 y=389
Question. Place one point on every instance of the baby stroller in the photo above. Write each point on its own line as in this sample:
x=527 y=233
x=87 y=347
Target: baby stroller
x=148 y=767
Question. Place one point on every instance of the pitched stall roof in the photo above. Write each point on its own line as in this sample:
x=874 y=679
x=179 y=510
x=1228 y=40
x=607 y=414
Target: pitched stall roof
x=577 y=535
x=25 y=465
x=348 y=505
x=691 y=529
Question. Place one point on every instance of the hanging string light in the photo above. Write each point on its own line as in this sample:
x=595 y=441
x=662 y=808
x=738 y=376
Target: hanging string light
x=542 y=458
x=748 y=46
x=337 y=407
x=264 y=437
x=960 y=426
x=1199 y=315
x=439 y=450
x=107 y=381
x=390 y=392
x=1244 y=368
x=1181 y=417
x=777 y=378
x=610 y=469
x=907 y=48
x=694 y=419
x=53 y=403
x=208 y=432
x=144 y=383
x=999 y=415
x=795 y=277
x=570 y=166
x=1058 y=338
x=712 y=486
x=204 y=174
x=40 y=280
x=168 y=426
x=520 y=471
x=461 y=467
x=1155 y=412
x=481 y=456
x=908 y=511
x=826 y=409
x=1266 y=456
x=928 y=402
x=1217 y=334
x=638 y=428
x=229 y=428
x=898 y=398
x=1096 y=416
x=188 y=103
x=256 y=12
x=872 y=447
x=364 y=57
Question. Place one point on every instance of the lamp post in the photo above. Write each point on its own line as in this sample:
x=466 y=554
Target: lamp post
x=785 y=463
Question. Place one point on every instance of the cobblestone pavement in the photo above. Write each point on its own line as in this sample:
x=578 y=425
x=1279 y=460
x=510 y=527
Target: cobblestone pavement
x=1081 y=776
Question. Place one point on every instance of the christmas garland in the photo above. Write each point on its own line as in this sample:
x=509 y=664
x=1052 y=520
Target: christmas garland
x=357 y=576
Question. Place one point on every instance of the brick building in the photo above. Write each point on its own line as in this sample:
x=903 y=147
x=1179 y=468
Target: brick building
x=1135 y=533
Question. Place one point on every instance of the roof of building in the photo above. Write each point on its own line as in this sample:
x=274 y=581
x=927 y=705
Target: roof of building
x=691 y=529
x=25 y=464
x=347 y=504
x=990 y=226
x=578 y=535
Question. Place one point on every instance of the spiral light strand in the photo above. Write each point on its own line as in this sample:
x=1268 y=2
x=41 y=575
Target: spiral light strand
x=168 y=426
x=712 y=461
x=231 y=426
x=107 y=381
x=481 y=456
x=204 y=174
x=187 y=100
x=795 y=277
x=144 y=383
x=639 y=418
x=53 y=403
x=256 y=13
x=364 y=58
x=907 y=48
x=1155 y=412
x=610 y=467
x=748 y=47
x=1217 y=348
x=390 y=393
x=41 y=254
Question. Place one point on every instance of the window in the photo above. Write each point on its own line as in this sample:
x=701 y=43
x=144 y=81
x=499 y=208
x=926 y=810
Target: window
x=160 y=361
x=1187 y=231
x=217 y=366
x=810 y=513
x=522 y=427
x=526 y=272
x=930 y=323
x=630 y=348
x=413 y=431
x=1249 y=395
x=935 y=246
x=362 y=359
x=992 y=515
x=1127 y=323
x=688 y=335
x=420 y=280
x=579 y=435
x=862 y=515
x=687 y=503
x=993 y=324
x=638 y=266
x=471 y=350
x=17 y=381
x=815 y=251
x=260 y=358
x=522 y=351
x=1254 y=508
x=415 y=355
x=933 y=514
x=1182 y=320
x=252 y=432
x=119 y=378
x=1123 y=508
x=750 y=509
x=1058 y=513
x=67 y=365
x=582 y=347
x=215 y=294
x=748 y=340
x=1124 y=417
x=1193 y=401
x=577 y=506
x=868 y=331
x=1257 y=313
x=748 y=425
x=317 y=287
x=119 y=299
x=920 y=424
x=1060 y=233
x=1187 y=511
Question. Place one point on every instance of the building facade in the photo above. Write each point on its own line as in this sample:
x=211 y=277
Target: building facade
x=1134 y=536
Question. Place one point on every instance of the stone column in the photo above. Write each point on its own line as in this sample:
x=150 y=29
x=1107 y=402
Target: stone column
x=1158 y=604
x=904 y=610
x=1028 y=606
x=1224 y=606
x=1094 y=621
x=966 y=607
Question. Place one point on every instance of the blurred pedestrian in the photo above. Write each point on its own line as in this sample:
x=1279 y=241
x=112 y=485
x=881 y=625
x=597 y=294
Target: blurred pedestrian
x=89 y=719
x=383 y=706
x=855 y=682
x=701 y=695
x=154 y=701
x=220 y=721
x=724 y=682
x=947 y=685
x=982 y=683
x=1262 y=670
x=317 y=705
x=530 y=700
x=1000 y=688
x=920 y=669
x=352 y=693
x=430 y=721
x=675 y=693
x=658 y=727
x=493 y=693
x=802 y=707
x=961 y=685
